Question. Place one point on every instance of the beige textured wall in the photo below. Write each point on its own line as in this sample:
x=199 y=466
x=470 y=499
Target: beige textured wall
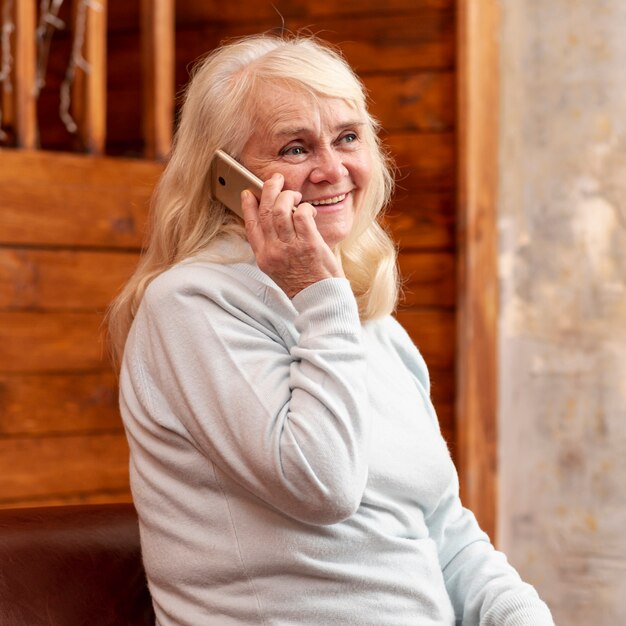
x=563 y=303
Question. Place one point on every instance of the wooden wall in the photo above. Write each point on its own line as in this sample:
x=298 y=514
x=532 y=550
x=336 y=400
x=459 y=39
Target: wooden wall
x=70 y=227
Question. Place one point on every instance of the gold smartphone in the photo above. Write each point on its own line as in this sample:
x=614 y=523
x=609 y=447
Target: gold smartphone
x=229 y=178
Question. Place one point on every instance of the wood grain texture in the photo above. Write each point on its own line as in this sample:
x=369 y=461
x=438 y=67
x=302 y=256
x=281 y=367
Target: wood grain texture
x=65 y=199
x=53 y=280
x=428 y=279
x=433 y=331
x=321 y=8
x=43 y=466
x=424 y=160
x=25 y=13
x=383 y=42
x=190 y=12
x=103 y=496
x=423 y=219
x=416 y=101
x=157 y=71
x=93 y=130
x=477 y=261
x=58 y=403
x=51 y=341
x=390 y=42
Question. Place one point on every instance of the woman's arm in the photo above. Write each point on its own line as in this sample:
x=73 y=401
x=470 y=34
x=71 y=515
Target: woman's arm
x=485 y=590
x=288 y=423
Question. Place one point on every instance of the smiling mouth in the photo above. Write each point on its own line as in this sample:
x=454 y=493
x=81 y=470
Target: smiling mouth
x=333 y=200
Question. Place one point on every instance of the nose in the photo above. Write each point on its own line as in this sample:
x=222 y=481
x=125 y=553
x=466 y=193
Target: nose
x=329 y=167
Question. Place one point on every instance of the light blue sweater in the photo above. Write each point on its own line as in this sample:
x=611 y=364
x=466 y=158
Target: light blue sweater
x=288 y=468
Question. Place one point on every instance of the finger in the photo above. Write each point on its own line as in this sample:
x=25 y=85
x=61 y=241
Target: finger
x=283 y=210
x=250 y=208
x=304 y=221
x=271 y=190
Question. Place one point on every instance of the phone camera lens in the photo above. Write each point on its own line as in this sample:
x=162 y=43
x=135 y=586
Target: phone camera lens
x=222 y=181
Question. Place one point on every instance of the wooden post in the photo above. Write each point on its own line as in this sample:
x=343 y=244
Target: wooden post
x=6 y=99
x=477 y=258
x=157 y=33
x=24 y=75
x=94 y=127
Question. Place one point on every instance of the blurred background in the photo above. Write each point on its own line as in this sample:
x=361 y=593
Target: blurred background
x=507 y=122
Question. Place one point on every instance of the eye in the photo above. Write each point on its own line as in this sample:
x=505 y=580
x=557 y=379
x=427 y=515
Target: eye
x=292 y=151
x=348 y=138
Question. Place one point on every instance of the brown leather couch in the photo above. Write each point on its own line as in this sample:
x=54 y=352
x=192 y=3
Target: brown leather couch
x=72 y=566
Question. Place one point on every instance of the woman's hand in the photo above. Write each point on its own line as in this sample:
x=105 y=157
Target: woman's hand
x=285 y=239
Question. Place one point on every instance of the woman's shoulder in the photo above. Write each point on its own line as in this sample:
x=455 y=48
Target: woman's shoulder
x=403 y=344
x=221 y=288
x=395 y=333
x=210 y=276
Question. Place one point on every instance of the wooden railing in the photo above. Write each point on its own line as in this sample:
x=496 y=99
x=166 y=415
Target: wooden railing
x=87 y=74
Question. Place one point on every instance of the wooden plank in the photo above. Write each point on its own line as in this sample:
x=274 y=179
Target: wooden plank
x=424 y=159
x=86 y=497
x=355 y=7
x=125 y=14
x=433 y=331
x=423 y=39
x=25 y=64
x=61 y=279
x=36 y=467
x=428 y=279
x=72 y=200
x=381 y=43
x=7 y=99
x=36 y=404
x=94 y=129
x=68 y=215
x=421 y=219
x=55 y=342
x=478 y=248
x=442 y=385
x=45 y=168
x=415 y=101
x=157 y=34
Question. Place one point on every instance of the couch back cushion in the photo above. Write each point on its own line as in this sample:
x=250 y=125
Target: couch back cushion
x=72 y=566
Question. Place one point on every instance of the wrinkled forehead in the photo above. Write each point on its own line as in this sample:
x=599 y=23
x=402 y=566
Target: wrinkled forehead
x=281 y=110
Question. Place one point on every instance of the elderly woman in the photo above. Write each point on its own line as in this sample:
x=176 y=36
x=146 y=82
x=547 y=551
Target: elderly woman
x=286 y=461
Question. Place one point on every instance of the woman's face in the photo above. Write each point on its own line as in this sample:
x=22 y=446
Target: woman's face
x=319 y=147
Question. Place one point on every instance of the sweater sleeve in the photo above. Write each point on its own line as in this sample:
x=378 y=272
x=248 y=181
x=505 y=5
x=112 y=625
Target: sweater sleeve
x=484 y=588
x=288 y=423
